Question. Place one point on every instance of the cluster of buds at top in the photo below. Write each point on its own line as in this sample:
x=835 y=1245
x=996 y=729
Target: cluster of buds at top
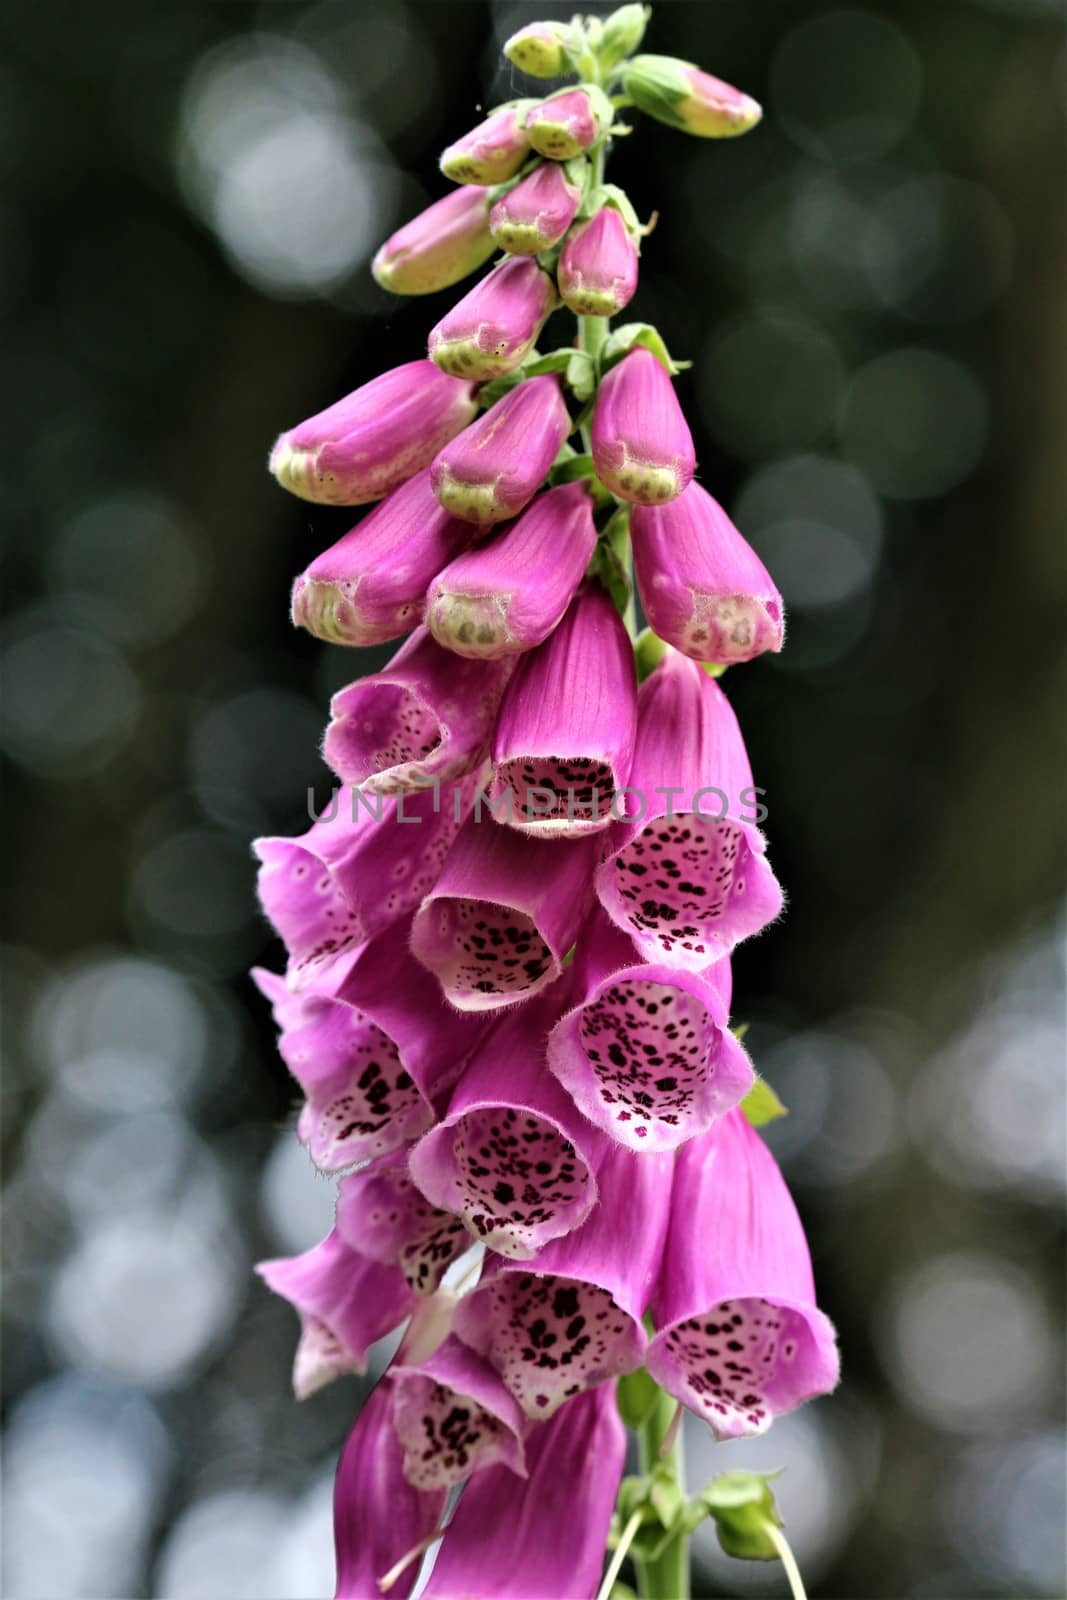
x=507 y=995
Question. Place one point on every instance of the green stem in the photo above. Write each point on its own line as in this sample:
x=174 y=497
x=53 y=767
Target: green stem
x=667 y=1577
x=788 y=1560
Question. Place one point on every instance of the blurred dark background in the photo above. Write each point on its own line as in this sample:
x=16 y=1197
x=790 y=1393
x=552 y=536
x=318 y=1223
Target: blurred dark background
x=871 y=288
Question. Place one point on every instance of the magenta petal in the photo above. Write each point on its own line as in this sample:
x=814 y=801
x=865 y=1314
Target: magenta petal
x=378 y=1517
x=381 y=1213
x=371 y=585
x=454 y=1416
x=505 y=910
x=512 y=1156
x=646 y=1052
x=425 y=718
x=542 y=1539
x=508 y=594
x=703 y=588
x=536 y=213
x=438 y=247
x=355 y=873
x=688 y=875
x=565 y=124
x=365 y=445
x=739 y=1338
x=492 y=152
x=565 y=737
x=494 y=327
x=597 y=274
x=345 y=1302
x=571 y=1318
x=494 y=468
x=641 y=441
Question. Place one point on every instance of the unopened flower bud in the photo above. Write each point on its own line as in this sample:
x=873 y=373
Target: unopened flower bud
x=507 y=595
x=493 y=151
x=537 y=49
x=536 y=214
x=703 y=588
x=374 y=439
x=495 y=467
x=492 y=329
x=567 y=123
x=642 y=446
x=679 y=94
x=622 y=35
x=370 y=585
x=597 y=273
x=443 y=244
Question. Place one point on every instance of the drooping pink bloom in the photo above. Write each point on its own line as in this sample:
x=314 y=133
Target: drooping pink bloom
x=492 y=152
x=739 y=1338
x=371 y=585
x=494 y=327
x=679 y=94
x=507 y=595
x=345 y=1302
x=355 y=872
x=641 y=442
x=382 y=1214
x=512 y=1156
x=515 y=1540
x=365 y=445
x=378 y=1516
x=374 y=1055
x=503 y=913
x=537 y=49
x=703 y=587
x=597 y=272
x=688 y=876
x=453 y=1416
x=536 y=214
x=444 y=243
x=572 y=1317
x=646 y=1050
x=564 y=740
x=567 y=123
x=426 y=718
x=495 y=467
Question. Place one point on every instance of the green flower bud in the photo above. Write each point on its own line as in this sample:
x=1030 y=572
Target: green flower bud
x=622 y=34
x=538 y=49
x=679 y=94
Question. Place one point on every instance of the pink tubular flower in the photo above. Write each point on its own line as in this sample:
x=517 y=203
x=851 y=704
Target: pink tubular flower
x=492 y=152
x=378 y=1516
x=426 y=718
x=495 y=467
x=646 y=1051
x=597 y=273
x=355 y=873
x=514 y=1540
x=703 y=588
x=572 y=1317
x=511 y=1156
x=381 y=1214
x=688 y=876
x=345 y=1303
x=679 y=94
x=371 y=585
x=494 y=327
x=367 y=444
x=641 y=442
x=739 y=1338
x=564 y=740
x=373 y=1055
x=536 y=214
x=453 y=1416
x=567 y=123
x=506 y=596
x=444 y=243
x=505 y=910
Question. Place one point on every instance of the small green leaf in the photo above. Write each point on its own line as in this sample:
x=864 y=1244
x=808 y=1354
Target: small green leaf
x=761 y=1105
x=635 y=1395
x=623 y=339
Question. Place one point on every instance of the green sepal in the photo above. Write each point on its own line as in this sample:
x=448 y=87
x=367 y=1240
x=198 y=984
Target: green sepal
x=497 y=388
x=621 y=34
x=577 y=366
x=635 y=1395
x=622 y=340
x=649 y=651
x=608 y=569
x=761 y=1105
x=609 y=194
x=743 y=1508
